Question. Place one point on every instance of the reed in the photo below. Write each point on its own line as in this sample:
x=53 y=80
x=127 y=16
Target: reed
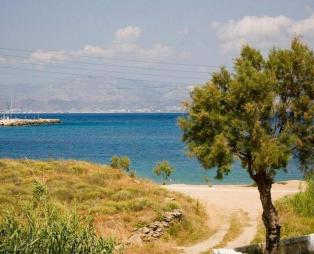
x=38 y=226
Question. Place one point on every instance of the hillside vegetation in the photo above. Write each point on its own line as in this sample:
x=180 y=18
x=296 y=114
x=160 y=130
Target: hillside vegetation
x=117 y=202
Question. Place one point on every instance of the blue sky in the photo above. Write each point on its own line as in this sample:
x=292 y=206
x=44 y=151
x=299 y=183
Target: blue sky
x=204 y=33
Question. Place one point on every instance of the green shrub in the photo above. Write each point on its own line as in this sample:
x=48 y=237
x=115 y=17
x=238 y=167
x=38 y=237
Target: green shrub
x=163 y=169
x=171 y=206
x=40 y=227
x=121 y=162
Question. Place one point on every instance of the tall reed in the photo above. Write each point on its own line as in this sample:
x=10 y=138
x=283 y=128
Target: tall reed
x=38 y=226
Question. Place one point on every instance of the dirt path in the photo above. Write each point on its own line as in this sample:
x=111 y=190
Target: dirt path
x=222 y=201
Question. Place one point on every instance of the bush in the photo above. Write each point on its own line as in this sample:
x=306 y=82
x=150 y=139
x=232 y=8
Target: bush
x=163 y=169
x=122 y=162
x=40 y=227
x=171 y=206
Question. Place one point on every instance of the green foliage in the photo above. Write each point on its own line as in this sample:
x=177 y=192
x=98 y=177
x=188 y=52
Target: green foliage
x=262 y=113
x=170 y=206
x=40 y=227
x=163 y=169
x=303 y=202
x=121 y=162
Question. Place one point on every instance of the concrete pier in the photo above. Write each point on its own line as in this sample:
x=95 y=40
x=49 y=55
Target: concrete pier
x=22 y=122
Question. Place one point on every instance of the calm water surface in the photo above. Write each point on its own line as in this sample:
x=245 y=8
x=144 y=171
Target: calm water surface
x=145 y=138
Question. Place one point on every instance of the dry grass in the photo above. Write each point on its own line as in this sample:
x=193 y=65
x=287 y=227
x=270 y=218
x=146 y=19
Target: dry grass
x=157 y=247
x=118 y=202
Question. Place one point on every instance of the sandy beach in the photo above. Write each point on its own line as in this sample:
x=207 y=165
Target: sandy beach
x=221 y=201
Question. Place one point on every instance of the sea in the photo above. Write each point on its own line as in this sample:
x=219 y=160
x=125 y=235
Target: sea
x=145 y=138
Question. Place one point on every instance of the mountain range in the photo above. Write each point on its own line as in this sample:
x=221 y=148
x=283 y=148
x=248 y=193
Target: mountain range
x=94 y=95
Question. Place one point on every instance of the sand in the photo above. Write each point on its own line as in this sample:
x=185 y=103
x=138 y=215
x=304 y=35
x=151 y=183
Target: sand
x=221 y=201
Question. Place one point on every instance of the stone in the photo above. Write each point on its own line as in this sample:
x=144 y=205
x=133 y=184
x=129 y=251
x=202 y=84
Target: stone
x=145 y=230
x=156 y=229
x=135 y=239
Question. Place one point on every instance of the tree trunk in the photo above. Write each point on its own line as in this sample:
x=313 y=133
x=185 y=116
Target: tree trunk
x=270 y=215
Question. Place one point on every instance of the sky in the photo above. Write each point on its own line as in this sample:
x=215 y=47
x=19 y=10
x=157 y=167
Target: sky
x=161 y=41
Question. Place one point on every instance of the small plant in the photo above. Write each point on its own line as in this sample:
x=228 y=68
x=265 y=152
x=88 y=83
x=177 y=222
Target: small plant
x=170 y=206
x=121 y=162
x=40 y=227
x=163 y=169
x=132 y=174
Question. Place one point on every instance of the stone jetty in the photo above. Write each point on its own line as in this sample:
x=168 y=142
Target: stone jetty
x=22 y=122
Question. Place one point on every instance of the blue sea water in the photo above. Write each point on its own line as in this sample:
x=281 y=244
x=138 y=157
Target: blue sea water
x=145 y=138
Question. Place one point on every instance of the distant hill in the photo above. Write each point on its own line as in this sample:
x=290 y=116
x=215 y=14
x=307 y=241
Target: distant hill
x=94 y=95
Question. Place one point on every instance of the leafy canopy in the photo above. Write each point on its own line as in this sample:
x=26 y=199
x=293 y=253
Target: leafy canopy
x=262 y=113
x=164 y=169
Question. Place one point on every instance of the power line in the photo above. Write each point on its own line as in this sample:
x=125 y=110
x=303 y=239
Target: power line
x=119 y=86
x=111 y=71
x=91 y=75
x=117 y=59
x=117 y=65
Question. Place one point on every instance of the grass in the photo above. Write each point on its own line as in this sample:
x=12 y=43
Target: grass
x=37 y=226
x=116 y=201
x=296 y=214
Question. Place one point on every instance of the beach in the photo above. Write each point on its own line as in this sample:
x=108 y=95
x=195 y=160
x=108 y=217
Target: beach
x=222 y=201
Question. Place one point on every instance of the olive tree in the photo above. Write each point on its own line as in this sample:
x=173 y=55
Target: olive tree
x=261 y=114
x=164 y=169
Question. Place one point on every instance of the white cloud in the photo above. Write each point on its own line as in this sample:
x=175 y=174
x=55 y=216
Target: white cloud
x=263 y=32
x=48 y=56
x=129 y=33
x=124 y=45
x=304 y=27
x=93 y=50
x=158 y=51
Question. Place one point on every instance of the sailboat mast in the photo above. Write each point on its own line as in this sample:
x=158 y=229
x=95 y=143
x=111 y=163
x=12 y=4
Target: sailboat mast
x=10 y=112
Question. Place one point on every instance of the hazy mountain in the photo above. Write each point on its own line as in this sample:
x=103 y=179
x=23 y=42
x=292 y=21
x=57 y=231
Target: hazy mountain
x=93 y=95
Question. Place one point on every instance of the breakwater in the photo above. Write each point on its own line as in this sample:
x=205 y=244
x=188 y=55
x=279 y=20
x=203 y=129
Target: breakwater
x=22 y=122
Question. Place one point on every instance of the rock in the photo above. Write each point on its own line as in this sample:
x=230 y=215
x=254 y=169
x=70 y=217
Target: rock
x=135 y=239
x=156 y=229
x=145 y=230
